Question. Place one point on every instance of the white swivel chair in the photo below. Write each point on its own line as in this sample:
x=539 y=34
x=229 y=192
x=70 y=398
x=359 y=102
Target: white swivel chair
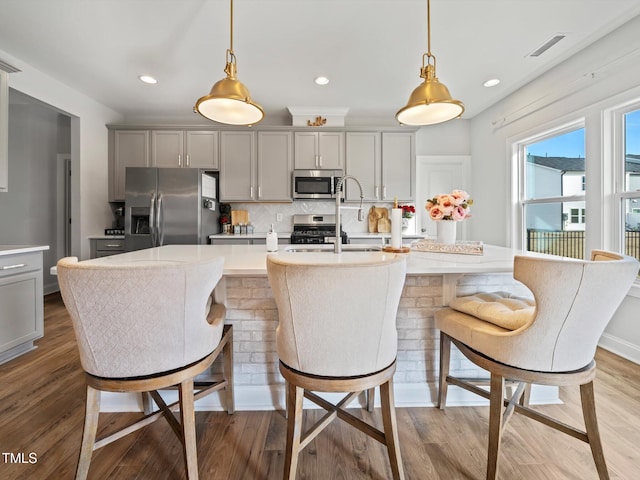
x=551 y=341
x=337 y=333
x=144 y=328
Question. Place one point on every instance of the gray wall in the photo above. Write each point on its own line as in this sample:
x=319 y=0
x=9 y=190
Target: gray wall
x=28 y=211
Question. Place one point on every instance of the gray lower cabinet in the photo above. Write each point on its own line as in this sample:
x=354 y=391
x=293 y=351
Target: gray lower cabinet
x=102 y=247
x=21 y=303
x=239 y=240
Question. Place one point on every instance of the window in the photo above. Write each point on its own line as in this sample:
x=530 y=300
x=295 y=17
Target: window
x=577 y=215
x=553 y=185
x=629 y=193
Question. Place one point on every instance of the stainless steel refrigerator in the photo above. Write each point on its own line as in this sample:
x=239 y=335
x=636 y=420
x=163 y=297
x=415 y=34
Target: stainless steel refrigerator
x=169 y=206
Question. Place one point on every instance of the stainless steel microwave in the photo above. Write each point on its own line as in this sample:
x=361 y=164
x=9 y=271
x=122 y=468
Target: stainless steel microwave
x=315 y=184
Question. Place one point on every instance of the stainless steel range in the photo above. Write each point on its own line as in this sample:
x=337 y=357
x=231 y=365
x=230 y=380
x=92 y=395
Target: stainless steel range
x=315 y=229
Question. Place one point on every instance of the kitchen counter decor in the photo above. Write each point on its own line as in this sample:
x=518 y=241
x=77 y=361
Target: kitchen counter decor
x=461 y=247
x=447 y=209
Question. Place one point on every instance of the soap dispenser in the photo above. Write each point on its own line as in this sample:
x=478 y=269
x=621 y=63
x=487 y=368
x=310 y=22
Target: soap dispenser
x=272 y=240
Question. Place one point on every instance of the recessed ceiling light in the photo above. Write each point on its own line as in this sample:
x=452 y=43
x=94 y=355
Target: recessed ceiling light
x=321 y=80
x=148 y=79
x=491 y=82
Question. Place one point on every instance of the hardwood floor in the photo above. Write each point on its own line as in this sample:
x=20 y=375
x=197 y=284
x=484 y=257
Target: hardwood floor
x=42 y=407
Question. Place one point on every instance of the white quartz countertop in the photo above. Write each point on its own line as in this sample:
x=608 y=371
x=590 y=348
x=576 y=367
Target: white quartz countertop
x=251 y=259
x=14 y=249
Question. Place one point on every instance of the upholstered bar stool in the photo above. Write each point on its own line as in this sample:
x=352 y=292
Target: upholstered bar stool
x=144 y=328
x=337 y=333
x=551 y=341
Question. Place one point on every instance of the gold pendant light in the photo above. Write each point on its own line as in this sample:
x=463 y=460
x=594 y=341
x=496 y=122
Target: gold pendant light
x=430 y=102
x=229 y=101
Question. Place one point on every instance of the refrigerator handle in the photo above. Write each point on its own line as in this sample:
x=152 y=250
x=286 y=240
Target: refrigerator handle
x=160 y=221
x=152 y=214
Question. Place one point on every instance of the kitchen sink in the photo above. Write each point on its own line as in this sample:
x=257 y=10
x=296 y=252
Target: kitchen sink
x=345 y=249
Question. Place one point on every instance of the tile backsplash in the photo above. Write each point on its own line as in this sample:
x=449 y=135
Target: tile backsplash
x=262 y=215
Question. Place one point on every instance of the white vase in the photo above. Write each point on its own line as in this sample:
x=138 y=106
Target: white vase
x=446 y=231
x=408 y=226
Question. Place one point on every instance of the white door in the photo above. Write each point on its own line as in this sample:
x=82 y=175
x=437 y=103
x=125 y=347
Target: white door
x=436 y=175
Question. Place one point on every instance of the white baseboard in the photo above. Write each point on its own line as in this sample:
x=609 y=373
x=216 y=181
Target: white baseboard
x=271 y=397
x=620 y=347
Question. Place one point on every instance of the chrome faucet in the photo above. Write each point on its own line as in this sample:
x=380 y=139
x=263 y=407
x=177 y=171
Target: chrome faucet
x=337 y=248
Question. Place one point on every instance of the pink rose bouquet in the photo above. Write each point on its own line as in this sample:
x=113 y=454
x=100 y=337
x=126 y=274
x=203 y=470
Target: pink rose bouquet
x=451 y=206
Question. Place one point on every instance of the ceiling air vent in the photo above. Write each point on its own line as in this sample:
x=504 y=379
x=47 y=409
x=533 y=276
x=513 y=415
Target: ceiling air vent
x=547 y=45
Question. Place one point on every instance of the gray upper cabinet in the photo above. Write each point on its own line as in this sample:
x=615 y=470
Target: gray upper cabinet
x=202 y=149
x=319 y=150
x=398 y=166
x=237 y=166
x=184 y=149
x=383 y=163
x=250 y=174
x=256 y=165
x=275 y=162
x=363 y=162
x=130 y=148
x=167 y=148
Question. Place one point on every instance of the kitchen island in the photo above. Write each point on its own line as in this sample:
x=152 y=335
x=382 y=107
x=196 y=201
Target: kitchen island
x=432 y=278
x=21 y=299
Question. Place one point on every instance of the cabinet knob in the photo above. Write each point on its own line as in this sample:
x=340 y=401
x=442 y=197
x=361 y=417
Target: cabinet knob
x=179 y=160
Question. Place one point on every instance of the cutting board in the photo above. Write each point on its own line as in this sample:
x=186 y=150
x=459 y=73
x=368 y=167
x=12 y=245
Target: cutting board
x=239 y=216
x=384 y=225
x=375 y=215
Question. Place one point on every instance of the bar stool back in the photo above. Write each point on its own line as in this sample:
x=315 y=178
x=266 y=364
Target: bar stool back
x=337 y=333
x=144 y=328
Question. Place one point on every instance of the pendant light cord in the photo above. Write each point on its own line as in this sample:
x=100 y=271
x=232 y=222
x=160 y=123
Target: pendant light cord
x=428 y=28
x=231 y=27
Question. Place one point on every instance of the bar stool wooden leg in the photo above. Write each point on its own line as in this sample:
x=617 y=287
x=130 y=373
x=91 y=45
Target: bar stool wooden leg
x=295 y=396
x=371 y=399
x=496 y=411
x=591 y=426
x=445 y=356
x=391 y=429
x=92 y=412
x=188 y=420
x=227 y=369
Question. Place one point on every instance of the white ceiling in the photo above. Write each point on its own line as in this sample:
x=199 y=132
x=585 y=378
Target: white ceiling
x=370 y=49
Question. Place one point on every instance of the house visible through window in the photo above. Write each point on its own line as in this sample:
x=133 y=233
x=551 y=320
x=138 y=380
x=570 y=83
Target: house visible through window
x=553 y=196
x=630 y=194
